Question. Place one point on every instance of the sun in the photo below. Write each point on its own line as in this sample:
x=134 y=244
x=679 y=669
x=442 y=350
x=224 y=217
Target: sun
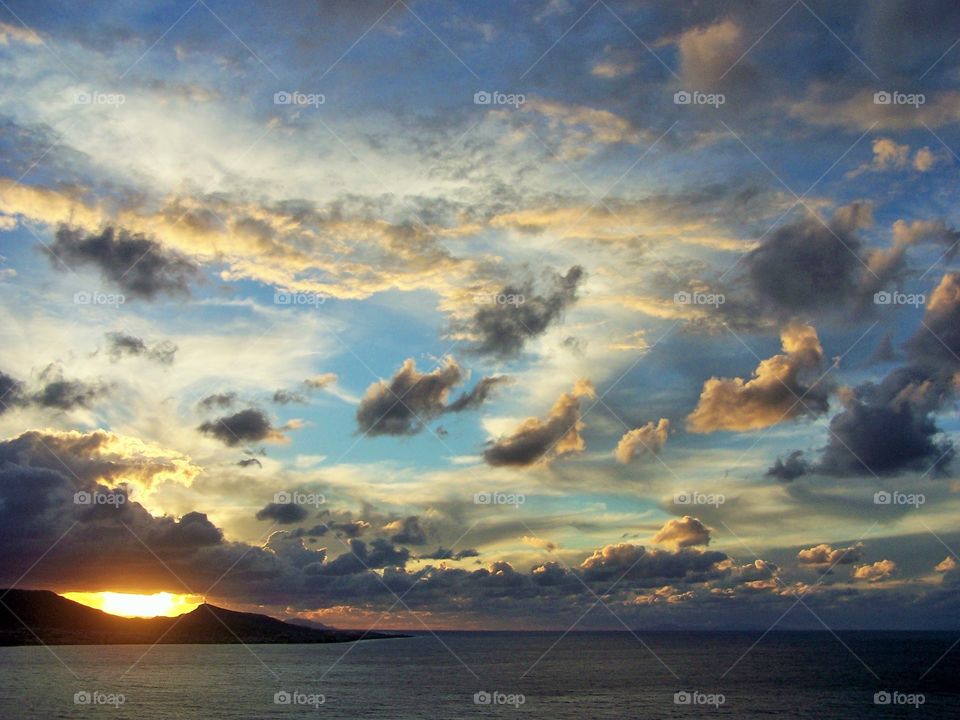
x=132 y=605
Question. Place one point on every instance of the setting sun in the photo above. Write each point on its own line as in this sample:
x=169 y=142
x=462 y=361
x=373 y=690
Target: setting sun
x=132 y=605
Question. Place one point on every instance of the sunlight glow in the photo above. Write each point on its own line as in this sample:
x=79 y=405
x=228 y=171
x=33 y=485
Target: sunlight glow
x=132 y=605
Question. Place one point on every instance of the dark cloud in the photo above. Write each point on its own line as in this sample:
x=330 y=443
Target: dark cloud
x=287 y=397
x=361 y=557
x=936 y=343
x=407 y=531
x=62 y=394
x=11 y=392
x=442 y=553
x=218 y=401
x=538 y=440
x=249 y=462
x=140 y=267
x=250 y=425
x=120 y=344
x=501 y=329
x=402 y=405
x=283 y=513
x=789 y=468
x=811 y=265
x=825 y=555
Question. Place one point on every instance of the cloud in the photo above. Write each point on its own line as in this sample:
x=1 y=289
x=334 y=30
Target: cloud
x=635 y=562
x=442 y=553
x=220 y=401
x=823 y=554
x=501 y=329
x=937 y=341
x=319 y=382
x=708 y=53
x=537 y=542
x=948 y=564
x=62 y=394
x=283 y=513
x=410 y=399
x=813 y=265
x=141 y=267
x=120 y=344
x=11 y=392
x=647 y=439
x=789 y=468
x=250 y=425
x=880 y=570
x=773 y=394
x=406 y=531
x=683 y=532
x=287 y=397
x=859 y=111
x=538 y=440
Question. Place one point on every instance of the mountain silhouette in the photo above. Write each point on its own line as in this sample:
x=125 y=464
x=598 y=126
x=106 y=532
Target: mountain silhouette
x=31 y=617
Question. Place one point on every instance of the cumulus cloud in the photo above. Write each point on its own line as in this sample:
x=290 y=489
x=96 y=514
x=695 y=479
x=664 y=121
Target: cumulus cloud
x=811 y=265
x=121 y=344
x=788 y=468
x=825 y=555
x=501 y=329
x=647 y=439
x=635 y=562
x=140 y=267
x=411 y=398
x=537 y=440
x=250 y=425
x=283 y=513
x=218 y=401
x=880 y=570
x=683 y=532
x=783 y=387
x=442 y=553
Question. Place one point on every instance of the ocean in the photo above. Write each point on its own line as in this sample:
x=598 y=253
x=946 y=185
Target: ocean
x=475 y=675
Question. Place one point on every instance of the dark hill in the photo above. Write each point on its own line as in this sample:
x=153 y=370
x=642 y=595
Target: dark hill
x=54 y=620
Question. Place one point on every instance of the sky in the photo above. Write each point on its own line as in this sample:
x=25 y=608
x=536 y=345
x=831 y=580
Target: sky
x=465 y=315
